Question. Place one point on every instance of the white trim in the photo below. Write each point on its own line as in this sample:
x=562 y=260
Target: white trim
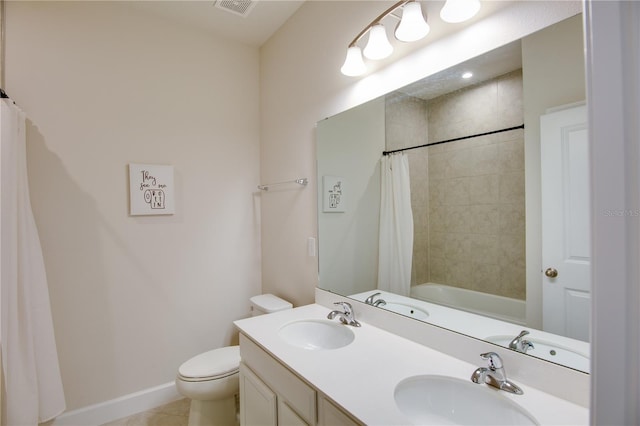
x=118 y=408
x=613 y=65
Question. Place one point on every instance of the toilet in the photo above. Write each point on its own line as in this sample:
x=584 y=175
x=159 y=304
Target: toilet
x=211 y=379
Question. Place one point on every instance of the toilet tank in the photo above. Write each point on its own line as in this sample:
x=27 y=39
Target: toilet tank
x=268 y=303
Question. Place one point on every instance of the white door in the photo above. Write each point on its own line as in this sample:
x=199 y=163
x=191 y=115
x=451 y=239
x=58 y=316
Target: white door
x=566 y=237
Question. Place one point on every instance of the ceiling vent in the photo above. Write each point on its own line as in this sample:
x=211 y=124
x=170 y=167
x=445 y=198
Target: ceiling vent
x=237 y=7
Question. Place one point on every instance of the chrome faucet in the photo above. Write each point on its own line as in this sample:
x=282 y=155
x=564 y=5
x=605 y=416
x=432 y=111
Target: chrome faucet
x=347 y=317
x=370 y=300
x=519 y=344
x=494 y=375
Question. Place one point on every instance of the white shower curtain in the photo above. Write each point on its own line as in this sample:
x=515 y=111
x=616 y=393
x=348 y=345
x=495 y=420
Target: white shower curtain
x=32 y=383
x=395 y=250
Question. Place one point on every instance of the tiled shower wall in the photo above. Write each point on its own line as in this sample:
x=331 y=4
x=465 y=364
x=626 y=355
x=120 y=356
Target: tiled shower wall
x=467 y=196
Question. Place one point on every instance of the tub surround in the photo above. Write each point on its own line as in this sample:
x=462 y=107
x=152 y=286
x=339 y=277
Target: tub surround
x=384 y=359
x=491 y=305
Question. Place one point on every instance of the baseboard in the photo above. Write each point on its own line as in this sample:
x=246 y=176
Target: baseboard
x=105 y=412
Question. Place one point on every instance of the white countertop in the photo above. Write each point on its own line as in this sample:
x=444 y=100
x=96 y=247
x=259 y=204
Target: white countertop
x=361 y=377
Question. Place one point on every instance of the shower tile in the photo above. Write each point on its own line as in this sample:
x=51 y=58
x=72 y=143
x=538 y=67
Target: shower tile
x=458 y=219
x=512 y=219
x=437 y=192
x=512 y=188
x=438 y=218
x=484 y=189
x=485 y=249
x=513 y=282
x=484 y=219
x=511 y=155
x=456 y=192
x=512 y=251
x=484 y=160
x=438 y=164
x=459 y=275
x=459 y=164
x=457 y=248
x=437 y=271
x=436 y=244
x=486 y=278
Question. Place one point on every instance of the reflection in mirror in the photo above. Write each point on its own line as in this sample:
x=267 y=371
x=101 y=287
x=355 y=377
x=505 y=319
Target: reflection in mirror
x=477 y=214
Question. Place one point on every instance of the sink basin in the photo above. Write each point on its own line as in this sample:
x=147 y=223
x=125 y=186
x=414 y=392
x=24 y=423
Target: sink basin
x=549 y=351
x=316 y=334
x=407 y=310
x=438 y=400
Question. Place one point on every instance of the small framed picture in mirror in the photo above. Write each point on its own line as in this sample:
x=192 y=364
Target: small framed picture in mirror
x=333 y=190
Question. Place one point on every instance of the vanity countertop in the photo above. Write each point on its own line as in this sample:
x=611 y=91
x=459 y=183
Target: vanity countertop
x=362 y=376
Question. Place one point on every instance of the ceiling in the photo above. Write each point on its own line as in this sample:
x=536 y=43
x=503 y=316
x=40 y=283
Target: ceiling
x=254 y=29
x=267 y=16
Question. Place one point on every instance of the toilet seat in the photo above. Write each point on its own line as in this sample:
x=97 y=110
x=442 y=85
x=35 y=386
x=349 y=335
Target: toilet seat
x=215 y=364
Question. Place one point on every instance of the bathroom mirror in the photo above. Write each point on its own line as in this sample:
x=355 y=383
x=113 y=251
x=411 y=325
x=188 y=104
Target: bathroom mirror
x=476 y=201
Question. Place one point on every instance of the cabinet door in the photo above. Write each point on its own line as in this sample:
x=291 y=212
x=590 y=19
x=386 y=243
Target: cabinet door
x=257 y=401
x=297 y=394
x=330 y=415
x=288 y=417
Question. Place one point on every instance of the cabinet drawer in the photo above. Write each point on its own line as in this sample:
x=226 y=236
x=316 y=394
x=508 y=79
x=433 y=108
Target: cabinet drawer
x=299 y=396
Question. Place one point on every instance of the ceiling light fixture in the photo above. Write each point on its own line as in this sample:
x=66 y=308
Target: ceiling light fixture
x=455 y=11
x=413 y=26
x=354 y=64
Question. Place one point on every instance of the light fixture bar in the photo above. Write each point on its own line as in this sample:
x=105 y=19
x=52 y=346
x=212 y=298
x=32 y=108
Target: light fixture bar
x=413 y=26
x=378 y=19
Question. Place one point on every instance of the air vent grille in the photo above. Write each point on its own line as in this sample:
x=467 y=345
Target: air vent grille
x=237 y=7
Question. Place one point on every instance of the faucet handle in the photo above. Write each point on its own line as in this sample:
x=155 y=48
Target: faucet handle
x=369 y=300
x=519 y=344
x=494 y=360
x=346 y=306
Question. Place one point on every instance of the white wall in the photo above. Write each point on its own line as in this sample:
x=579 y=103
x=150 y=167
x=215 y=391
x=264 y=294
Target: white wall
x=104 y=85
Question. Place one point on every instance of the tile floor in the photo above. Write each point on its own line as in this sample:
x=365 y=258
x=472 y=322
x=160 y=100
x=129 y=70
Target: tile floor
x=173 y=414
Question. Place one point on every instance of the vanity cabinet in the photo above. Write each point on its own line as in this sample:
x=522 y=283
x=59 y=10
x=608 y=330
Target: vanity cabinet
x=330 y=415
x=271 y=394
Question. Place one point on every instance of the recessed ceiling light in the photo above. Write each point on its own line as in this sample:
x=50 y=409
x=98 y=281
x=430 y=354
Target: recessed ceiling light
x=467 y=75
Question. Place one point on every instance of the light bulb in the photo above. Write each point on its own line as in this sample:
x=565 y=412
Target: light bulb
x=413 y=26
x=353 y=64
x=378 y=46
x=455 y=11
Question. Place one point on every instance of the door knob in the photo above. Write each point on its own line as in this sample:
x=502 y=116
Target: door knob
x=551 y=272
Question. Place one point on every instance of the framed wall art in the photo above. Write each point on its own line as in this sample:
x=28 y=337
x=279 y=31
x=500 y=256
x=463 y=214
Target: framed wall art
x=151 y=189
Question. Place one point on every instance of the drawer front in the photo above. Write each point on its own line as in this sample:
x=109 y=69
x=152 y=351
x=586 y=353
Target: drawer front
x=298 y=395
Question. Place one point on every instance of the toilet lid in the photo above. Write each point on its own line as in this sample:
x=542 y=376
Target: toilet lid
x=216 y=363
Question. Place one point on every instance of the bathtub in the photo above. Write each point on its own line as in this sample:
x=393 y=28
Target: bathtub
x=498 y=307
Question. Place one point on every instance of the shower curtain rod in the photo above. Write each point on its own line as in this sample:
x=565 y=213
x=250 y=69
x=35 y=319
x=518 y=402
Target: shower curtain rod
x=453 y=140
